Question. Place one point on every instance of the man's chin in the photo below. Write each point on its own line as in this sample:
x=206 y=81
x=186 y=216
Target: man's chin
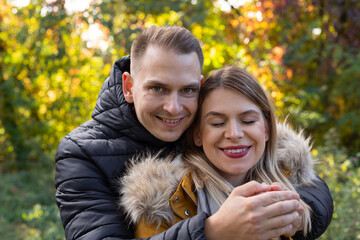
x=169 y=137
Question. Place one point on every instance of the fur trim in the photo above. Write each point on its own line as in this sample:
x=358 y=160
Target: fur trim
x=294 y=155
x=146 y=189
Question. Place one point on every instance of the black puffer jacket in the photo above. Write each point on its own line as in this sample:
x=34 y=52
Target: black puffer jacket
x=90 y=159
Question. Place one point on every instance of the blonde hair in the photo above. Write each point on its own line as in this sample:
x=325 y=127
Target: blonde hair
x=267 y=170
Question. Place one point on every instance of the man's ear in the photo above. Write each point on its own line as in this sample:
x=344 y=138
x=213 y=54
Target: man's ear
x=197 y=138
x=127 y=85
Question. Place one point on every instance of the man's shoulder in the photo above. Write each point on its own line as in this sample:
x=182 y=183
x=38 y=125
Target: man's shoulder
x=90 y=130
x=93 y=139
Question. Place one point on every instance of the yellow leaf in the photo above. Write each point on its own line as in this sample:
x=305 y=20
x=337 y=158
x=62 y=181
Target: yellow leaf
x=314 y=152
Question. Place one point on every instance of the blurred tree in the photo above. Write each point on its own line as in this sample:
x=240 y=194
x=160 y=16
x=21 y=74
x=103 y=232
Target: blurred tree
x=322 y=59
x=44 y=69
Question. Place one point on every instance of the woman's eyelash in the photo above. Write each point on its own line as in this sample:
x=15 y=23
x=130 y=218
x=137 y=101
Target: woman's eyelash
x=216 y=124
x=249 y=122
x=222 y=123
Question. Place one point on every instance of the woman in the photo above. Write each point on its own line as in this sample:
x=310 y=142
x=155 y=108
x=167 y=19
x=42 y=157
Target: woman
x=232 y=141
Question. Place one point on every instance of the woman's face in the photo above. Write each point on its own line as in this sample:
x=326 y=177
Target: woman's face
x=232 y=133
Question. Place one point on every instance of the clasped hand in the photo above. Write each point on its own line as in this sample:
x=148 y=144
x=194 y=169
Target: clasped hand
x=256 y=211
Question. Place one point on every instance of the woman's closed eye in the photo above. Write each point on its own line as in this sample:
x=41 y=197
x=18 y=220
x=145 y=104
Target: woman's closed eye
x=217 y=124
x=248 y=121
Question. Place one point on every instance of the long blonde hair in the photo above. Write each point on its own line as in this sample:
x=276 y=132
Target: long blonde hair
x=267 y=170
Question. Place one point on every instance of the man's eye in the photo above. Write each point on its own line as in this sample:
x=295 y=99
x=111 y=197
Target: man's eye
x=188 y=90
x=157 y=89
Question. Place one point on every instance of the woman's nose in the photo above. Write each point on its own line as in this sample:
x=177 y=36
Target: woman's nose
x=234 y=131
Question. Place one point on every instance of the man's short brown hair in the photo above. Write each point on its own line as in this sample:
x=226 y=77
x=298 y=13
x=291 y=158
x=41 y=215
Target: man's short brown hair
x=171 y=38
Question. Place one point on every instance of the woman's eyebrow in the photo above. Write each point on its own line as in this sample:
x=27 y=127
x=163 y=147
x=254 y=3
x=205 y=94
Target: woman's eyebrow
x=214 y=113
x=251 y=111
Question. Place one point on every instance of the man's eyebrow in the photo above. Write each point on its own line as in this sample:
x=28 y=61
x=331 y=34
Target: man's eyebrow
x=162 y=84
x=155 y=83
x=214 y=113
x=193 y=85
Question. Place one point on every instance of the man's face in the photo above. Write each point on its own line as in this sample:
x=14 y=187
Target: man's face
x=164 y=91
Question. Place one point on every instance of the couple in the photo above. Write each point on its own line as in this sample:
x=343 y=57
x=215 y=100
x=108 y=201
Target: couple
x=149 y=111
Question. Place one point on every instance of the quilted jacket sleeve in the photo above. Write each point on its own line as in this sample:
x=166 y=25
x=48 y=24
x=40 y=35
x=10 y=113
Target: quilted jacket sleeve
x=320 y=200
x=88 y=205
x=84 y=198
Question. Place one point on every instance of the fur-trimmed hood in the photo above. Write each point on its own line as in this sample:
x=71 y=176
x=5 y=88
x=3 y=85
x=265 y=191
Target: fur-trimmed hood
x=294 y=155
x=150 y=182
x=146 y=188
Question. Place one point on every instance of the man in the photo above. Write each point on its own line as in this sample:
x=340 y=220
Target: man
x=147 y=107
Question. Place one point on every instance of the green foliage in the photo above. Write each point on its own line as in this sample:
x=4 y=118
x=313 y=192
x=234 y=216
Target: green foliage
x=322 y=53
x=342 y=174
x=41 y=81
x=28 y=205
x=305 y=53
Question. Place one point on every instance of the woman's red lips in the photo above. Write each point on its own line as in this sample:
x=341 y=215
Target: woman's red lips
x=236 y=151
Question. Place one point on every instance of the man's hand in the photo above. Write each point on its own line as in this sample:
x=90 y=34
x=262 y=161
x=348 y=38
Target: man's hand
x=247 y=214
x=298 y=225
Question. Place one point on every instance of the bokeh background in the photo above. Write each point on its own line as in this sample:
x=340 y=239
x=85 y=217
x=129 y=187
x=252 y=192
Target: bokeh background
x=55 y=56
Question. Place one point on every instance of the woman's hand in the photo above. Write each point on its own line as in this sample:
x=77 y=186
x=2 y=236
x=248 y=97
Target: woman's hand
x=247 y=214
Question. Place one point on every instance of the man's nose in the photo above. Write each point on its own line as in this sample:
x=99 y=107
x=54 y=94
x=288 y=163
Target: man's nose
x=173 y=104
x=234 y=130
